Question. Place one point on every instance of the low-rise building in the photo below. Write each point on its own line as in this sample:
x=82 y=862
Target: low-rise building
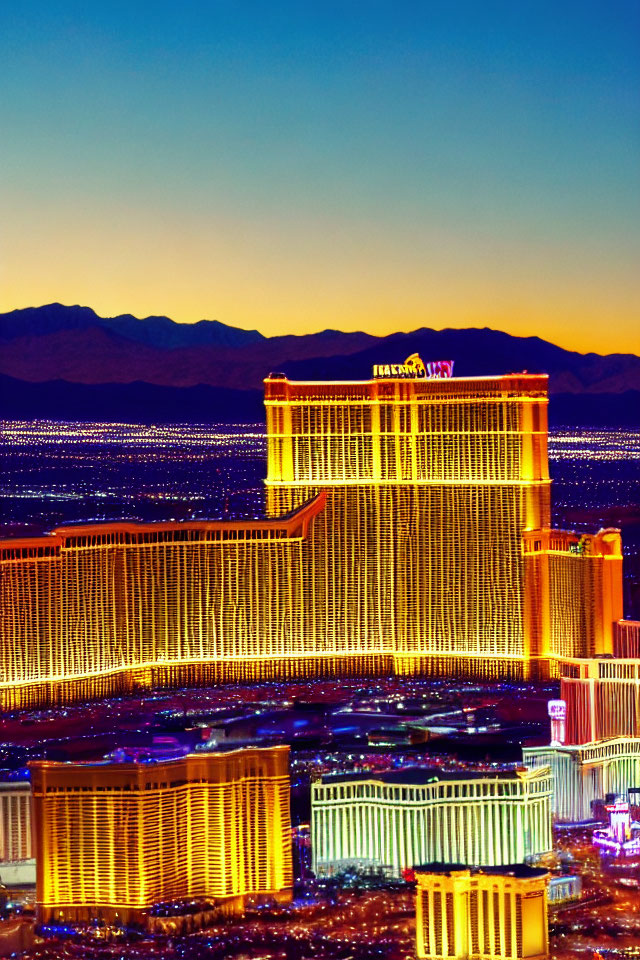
x=493 y=913
x=393 y=821
x=17 y=863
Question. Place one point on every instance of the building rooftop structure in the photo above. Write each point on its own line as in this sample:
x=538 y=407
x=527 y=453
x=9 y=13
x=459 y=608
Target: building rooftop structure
x=419 y=776
x=522 y=871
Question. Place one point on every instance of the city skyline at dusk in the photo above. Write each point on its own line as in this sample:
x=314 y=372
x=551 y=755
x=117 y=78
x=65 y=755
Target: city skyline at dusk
x=320 y=501
x=296 y=167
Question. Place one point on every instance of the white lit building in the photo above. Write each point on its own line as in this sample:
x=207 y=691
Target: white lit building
x=564 y=888
x=393 y=821
x=587 y=772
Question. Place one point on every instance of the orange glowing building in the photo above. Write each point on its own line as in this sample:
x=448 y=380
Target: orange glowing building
x=494 y=913
x=626 y=639
x=409 y=531
x=602 y=698
x=113 y=839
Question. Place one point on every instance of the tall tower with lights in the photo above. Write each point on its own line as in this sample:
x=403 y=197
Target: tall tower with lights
x=430 y=485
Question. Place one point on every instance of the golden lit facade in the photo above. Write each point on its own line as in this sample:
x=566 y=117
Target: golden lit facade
x=490 y=914
x=430 y=485
x=113 y=839
x=408 y=531
x=391 y=822
x=573 y=590
x=96 y=609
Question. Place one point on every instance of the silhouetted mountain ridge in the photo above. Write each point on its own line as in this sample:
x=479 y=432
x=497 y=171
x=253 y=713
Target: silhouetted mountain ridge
x=160 y=332
x=73 y=344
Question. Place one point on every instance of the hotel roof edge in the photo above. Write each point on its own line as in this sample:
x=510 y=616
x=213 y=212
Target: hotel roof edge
x=522 y=871
x=287 y=521
x=154 y=762
x=422 y=776
x=486 y=377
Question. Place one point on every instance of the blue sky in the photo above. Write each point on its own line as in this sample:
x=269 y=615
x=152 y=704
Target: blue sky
x=293 y=166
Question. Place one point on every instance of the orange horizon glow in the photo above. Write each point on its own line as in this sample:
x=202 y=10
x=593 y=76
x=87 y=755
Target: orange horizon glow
x=297 y=278
x=291 y=295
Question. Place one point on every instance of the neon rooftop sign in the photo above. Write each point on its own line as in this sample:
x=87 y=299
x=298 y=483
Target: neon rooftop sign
x=414 y=369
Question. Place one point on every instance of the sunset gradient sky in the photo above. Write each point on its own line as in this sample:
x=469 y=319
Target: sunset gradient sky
x=292 y=166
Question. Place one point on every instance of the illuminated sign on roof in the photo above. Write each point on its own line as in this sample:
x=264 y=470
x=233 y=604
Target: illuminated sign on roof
x=414 y=369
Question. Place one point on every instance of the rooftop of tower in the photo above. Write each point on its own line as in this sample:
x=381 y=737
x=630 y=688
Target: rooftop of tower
x=524 y=374
x=521 y=871
x=393 y=383
x=419 y=776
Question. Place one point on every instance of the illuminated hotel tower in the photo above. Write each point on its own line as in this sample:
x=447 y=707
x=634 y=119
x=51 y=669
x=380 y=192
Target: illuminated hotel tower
x=497 y=913
x=430 y=484
x=114 y=839
x=408 y=532
x=419 y=552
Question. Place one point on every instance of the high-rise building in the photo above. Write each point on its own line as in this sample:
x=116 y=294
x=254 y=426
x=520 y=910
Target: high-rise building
x=496 y=913
x=392 y=821
x=113 y=839
x=409 y=532
x=574 y=590
x=92 y=610
x=430 y=485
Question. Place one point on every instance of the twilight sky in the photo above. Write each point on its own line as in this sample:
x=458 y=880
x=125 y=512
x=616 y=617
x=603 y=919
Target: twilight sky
x=293 y=165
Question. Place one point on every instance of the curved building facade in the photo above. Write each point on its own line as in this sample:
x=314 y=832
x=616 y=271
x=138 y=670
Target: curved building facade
x=394 y=821
x=113 y=839
x=585 y=773
x=408 y=531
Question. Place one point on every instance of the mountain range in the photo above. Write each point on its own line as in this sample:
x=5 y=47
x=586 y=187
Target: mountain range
x=56 y=359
